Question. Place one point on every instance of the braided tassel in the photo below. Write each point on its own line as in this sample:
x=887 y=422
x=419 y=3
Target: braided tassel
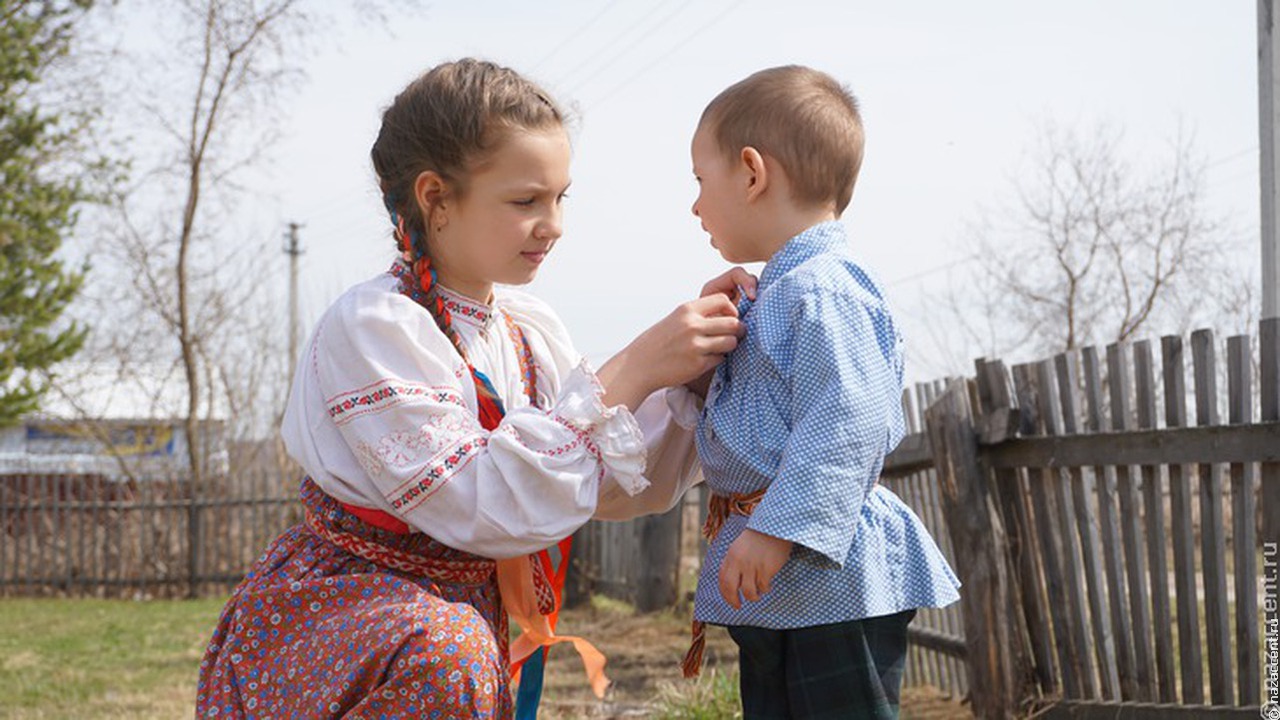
x=691 y=666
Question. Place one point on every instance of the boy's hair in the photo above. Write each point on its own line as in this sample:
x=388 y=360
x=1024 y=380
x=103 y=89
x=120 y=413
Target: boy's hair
x=801 y=117
x=448 y=120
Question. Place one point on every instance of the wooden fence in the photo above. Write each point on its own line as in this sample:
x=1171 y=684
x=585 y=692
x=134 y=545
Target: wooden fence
x=88 y=535
x=1108 y=537
x=1109 y=544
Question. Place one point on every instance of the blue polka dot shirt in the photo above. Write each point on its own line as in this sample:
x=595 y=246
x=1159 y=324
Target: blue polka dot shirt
x=808 y=406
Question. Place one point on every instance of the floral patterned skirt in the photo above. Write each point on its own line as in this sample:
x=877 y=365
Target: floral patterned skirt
x=325 y=629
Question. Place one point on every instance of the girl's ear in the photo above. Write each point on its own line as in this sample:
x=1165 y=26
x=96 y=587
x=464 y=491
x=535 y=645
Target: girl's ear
x=757 y=172
x=431 y=192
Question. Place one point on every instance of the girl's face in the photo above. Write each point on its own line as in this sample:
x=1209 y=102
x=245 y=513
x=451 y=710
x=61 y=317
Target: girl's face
x=505 y=224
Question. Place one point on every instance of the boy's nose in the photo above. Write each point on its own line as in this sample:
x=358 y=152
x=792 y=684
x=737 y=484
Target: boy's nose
x=694 y=209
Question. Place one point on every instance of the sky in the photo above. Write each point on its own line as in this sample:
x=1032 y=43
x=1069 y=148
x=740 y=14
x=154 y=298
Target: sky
x=952 y=96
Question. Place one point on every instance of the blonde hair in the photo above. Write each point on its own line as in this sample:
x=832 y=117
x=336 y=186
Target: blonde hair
x=802 y=118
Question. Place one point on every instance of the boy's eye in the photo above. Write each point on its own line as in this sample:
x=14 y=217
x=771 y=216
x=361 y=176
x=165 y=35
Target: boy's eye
x=562 y=197
x=524 y=202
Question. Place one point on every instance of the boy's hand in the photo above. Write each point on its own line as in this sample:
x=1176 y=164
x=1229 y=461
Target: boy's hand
x=749 y=566
x=729 y=284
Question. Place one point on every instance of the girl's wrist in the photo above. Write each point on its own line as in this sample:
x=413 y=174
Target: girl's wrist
x=623 y=382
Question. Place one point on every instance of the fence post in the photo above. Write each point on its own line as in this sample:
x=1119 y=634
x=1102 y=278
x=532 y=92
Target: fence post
x=977 y=534
x=657 y=558
x=1026 y=602
x=577 y=584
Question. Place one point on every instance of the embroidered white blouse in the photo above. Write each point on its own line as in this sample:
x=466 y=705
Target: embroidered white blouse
x=383 y=414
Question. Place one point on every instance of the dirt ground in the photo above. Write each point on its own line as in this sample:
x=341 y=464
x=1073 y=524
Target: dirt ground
x=644 y=653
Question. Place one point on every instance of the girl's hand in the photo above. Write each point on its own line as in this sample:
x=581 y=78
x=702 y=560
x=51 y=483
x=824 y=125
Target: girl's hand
x=684 y=345
x=749 y=566
x=730 y=284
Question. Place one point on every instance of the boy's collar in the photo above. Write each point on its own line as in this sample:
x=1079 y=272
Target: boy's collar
x=823 y=237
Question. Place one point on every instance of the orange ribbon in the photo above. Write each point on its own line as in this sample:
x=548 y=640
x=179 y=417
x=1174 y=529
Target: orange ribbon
x=518 y=581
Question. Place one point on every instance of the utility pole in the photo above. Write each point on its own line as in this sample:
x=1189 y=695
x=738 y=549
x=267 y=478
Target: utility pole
x=1269 y=328
x=293 y=249
x=1268 y=125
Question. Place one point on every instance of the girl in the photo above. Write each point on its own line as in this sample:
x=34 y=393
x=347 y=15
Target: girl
x=448 y=429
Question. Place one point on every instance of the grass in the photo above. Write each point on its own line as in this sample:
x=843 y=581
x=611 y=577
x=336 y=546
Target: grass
x=108 y=659
x=102 y=658
x=714 y=696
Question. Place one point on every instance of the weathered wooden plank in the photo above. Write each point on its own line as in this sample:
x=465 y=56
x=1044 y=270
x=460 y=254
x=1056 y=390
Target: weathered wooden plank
x=1081 y=487
x=1068 y=710
x=1027 y=388
x=7 y=525
x=973 y=521
x=1059 y=482
x=1153 y=501
x=938 y=668
x=931 y=639
x=1121 y=386
x=1183 y=531
x=1213 y=541
x=1119 y=652
x=1244 y=534
x=1259 y=442
x=913 y=454
x=657 y=558
x=948 y=619
x=1025 y=595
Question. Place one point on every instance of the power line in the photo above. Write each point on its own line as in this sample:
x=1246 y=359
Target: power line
x=573 y=35
x=681 y=7
x=932 y=271
x=1232 y=156
x=591 y=61
x=671 y=51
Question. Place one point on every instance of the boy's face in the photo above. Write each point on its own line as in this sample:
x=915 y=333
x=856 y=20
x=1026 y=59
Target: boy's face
x=721 y=197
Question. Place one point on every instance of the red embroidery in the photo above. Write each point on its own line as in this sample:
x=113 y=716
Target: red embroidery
x=478 y=313
x=411 y=494
x=583 y=438
x=384 y=394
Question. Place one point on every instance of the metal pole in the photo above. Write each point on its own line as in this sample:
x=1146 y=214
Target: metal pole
x=1268 y=114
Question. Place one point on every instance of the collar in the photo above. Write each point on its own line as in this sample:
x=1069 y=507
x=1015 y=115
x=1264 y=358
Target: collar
x=822 y=238
x=465 y=309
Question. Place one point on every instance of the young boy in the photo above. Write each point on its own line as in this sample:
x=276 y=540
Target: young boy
x=815 y=569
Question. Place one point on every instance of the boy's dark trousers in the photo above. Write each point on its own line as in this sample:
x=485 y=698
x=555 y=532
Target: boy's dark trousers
x=845 y=671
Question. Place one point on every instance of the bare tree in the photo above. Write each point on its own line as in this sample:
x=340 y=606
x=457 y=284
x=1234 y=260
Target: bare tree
x=1096 y=249
x=186 y=317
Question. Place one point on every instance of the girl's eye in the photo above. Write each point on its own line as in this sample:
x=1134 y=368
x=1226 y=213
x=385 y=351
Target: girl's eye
x=562 y=197
x=526 y=202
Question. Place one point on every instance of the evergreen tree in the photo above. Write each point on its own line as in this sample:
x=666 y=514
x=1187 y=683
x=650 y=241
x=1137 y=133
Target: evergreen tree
x=41 y=186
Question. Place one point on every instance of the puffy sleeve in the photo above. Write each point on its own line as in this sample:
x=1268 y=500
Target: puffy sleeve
x=666 y=419
x=389 y=384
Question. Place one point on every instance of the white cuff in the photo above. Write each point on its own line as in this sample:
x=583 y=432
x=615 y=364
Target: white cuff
x=614 y=430
x=685 y=406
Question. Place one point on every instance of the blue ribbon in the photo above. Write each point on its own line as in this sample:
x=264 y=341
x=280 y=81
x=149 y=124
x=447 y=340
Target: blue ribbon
x=529 y=694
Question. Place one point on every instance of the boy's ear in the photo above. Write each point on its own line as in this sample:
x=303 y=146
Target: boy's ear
x=756 y=171
x=431 y=193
